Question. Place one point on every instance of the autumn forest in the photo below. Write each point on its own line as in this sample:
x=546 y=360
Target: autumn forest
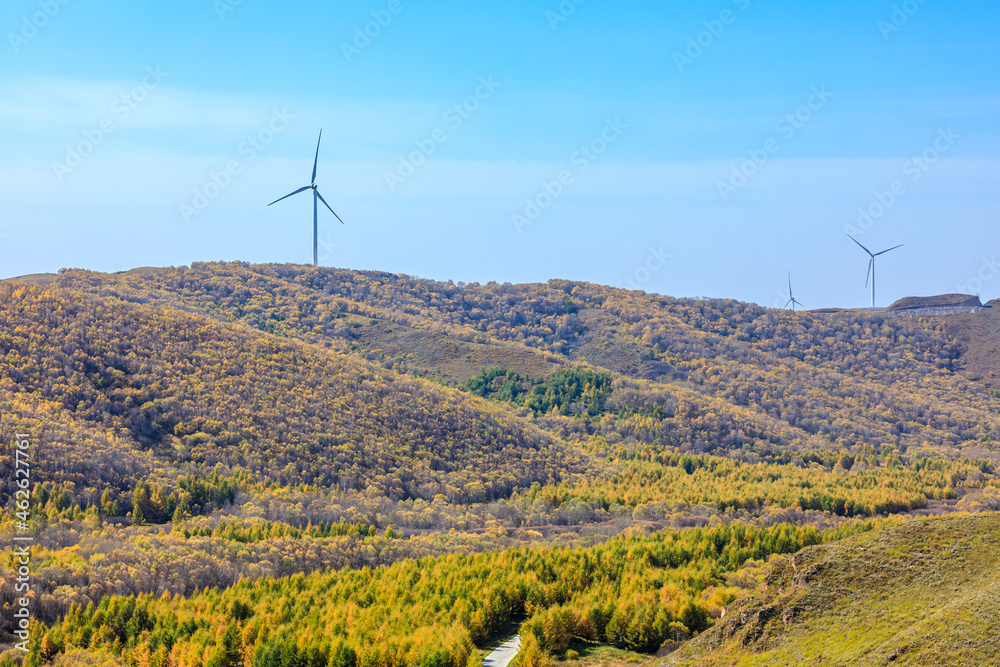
x=284 y=465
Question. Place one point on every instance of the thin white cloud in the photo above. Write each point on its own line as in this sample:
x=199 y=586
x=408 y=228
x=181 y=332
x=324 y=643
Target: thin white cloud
x=63 y=108
x=113 y=175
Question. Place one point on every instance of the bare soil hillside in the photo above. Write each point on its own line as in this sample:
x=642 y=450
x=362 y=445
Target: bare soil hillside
x=979 y=335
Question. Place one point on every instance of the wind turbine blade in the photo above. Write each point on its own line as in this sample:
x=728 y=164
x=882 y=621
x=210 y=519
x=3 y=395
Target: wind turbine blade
x=890 y=249
x=862 y=247
x=788 y=302
x=328 y=206
x=289 y=195
x=789 y=283
x=868 y=277
x=316 y=161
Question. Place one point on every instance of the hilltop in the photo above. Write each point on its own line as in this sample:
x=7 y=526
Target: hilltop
x=791 y=371
x=939 y=301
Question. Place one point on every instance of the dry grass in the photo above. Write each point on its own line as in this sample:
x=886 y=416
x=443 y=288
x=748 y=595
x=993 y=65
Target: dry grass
x=923 y=593
x=443 y=357
x=40 y=279
x=979 y=335
x=592 y=655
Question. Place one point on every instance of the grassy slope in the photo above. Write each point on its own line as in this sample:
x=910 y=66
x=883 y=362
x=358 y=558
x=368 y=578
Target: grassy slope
x=923 y=593
x=444 y=357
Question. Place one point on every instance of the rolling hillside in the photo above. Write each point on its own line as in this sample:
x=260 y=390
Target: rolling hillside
x=805 y=382
x=228 y=425
x=171 y=389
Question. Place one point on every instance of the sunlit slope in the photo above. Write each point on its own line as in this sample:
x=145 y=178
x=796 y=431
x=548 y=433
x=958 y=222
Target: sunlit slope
x=923 y=593
x=170 y=388
x=632 y=591
x=834 y=380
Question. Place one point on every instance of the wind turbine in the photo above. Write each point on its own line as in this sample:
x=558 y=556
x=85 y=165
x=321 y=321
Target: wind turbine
x=791 y=297
x=317 y=197
x=871 y=264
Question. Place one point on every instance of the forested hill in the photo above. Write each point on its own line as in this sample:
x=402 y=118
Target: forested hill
x=119 y=391
x=219 y=451
x=707 y=376
x=411 y=388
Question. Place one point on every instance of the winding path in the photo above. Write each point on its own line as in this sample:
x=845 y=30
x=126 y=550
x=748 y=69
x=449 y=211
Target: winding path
x=504 y=654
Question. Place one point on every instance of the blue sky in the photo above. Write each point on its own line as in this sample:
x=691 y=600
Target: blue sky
x=701 y=150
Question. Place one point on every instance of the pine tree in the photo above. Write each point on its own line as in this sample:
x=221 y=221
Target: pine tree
x=532 y=654
x=47 y=649
x=183 y=511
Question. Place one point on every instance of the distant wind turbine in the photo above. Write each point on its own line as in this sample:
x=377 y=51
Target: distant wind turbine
x=791 y=297
x=317 y=197
x=871 y=264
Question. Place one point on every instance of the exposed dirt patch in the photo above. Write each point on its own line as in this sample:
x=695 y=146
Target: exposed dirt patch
x=605 y=346
x=979 y=335
x=443 y=357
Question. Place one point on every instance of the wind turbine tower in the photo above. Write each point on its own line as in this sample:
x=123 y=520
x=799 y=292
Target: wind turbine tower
x=791 y=297
x=317 y=197
x=871 y=264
